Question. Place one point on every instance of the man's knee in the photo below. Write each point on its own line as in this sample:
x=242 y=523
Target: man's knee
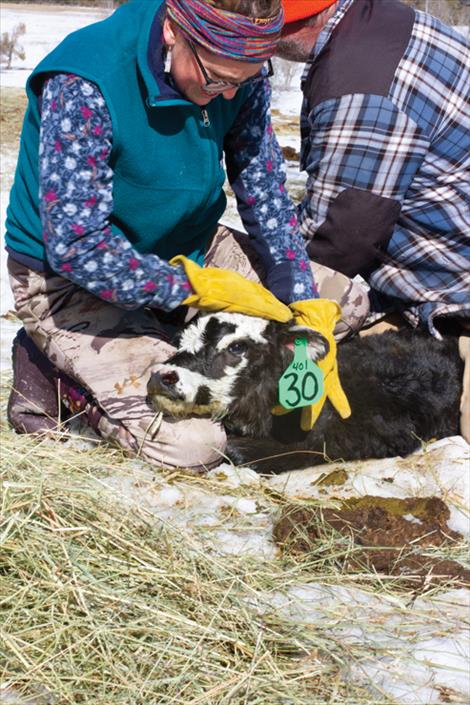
x=196 y=444
x=351 y=296
x=464 y=350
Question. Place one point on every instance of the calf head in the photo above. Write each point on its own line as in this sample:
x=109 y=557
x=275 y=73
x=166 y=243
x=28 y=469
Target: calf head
x=228 y=366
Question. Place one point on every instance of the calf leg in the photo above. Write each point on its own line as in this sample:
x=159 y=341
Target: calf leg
x=269 y=456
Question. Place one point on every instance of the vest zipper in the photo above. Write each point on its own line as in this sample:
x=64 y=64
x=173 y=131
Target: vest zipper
x=205 y=118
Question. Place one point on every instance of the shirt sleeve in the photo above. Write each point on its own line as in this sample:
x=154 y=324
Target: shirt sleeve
x=76 y=201
x=361 y=154
x=257 y=174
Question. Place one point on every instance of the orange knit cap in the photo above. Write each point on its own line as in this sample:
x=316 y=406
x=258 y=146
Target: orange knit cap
x=300 y=9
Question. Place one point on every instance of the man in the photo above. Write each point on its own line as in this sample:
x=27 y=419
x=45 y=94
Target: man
x=386 y=146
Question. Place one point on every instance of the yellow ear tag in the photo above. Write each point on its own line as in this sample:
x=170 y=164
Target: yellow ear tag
x=302 y=382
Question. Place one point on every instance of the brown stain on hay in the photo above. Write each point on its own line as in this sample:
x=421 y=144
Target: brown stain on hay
x=337 y=477
x=379 y=525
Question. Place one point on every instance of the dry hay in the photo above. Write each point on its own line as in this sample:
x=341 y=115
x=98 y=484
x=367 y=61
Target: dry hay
x=13 y=104
x=101 y=603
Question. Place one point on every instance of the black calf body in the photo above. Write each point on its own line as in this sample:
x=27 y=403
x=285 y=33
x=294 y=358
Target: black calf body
x=403 y=388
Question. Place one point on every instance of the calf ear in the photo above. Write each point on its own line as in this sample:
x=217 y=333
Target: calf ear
x=317 y=344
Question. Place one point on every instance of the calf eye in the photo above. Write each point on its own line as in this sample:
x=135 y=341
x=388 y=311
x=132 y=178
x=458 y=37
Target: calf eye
x=237 y=348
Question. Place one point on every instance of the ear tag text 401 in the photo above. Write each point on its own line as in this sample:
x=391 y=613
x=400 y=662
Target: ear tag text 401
x=302 y=382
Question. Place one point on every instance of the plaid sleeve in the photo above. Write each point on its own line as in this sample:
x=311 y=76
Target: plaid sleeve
x=257 y=174
x=357 y=141
x=76 y=202
x=365 y=142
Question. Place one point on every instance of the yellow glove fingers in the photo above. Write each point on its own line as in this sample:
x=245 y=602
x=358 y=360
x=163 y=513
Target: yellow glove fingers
x=336 y=394
x=280 y=410
x=224 y=290
x=322 y=315
x=319 y=314
x=310 y=414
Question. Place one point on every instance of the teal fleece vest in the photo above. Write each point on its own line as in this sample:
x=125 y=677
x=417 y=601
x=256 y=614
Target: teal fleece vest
x=167 y=163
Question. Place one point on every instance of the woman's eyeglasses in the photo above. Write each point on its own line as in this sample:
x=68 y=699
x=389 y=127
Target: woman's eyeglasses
x=214 y=87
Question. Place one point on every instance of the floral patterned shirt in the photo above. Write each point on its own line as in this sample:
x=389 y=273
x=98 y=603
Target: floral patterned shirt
x=76 y=201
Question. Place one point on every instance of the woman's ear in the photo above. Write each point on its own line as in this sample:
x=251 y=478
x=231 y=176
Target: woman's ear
x=169 y=33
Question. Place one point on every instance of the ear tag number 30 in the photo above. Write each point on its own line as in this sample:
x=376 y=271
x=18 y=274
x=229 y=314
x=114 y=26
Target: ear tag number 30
x=302 y=382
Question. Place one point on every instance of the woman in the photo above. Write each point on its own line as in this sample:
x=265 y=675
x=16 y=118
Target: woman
x=131 y=118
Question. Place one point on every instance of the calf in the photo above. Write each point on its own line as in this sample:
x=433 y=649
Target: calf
x=403 y=388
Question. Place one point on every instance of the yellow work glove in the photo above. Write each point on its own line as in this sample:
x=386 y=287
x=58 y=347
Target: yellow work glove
x=321 y=315
x=224 y=290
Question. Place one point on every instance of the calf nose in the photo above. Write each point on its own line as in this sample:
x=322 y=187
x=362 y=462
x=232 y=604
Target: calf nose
x=163 y=383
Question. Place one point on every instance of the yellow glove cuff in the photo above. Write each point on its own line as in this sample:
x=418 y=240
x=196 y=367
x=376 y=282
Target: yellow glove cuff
x=320 y=314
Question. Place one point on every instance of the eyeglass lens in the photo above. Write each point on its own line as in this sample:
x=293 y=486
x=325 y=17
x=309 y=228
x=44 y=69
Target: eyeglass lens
x=213 y=86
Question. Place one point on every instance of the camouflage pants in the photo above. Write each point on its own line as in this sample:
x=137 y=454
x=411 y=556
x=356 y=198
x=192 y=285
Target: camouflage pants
x=111 y=352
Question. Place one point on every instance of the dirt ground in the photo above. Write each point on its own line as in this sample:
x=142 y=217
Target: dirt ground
x=12 y=107
x=392 y=532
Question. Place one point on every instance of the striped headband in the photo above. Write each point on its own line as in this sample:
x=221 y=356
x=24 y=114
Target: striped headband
x=225 y=33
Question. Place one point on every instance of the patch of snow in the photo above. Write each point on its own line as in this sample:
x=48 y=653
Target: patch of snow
x=233 y=525
x=411 y=518
x=231 y=476
x=45 y=28
x=409 y=653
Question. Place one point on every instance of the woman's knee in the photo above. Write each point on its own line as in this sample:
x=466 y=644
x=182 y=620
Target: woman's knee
x=195 y=444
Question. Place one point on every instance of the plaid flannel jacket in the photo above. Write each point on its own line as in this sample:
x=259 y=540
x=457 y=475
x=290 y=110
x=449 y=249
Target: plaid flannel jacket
x=386 y=144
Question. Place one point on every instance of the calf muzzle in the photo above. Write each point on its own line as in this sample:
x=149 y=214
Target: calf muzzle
x=163 y=384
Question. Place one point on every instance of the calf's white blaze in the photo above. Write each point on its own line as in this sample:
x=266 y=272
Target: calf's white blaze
x=192 y=339
x=222 y=389
x=247 y=327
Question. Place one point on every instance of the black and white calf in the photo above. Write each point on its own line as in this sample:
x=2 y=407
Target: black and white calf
x=403 y=388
